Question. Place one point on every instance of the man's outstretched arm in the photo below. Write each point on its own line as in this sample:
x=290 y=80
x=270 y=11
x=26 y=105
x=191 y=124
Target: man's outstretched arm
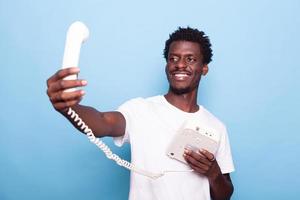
x=102 y=123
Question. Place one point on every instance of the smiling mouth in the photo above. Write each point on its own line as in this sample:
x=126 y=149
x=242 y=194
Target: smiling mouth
x=180 y=75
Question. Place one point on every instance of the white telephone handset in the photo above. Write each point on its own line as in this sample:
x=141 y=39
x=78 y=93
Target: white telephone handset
x=76 y=35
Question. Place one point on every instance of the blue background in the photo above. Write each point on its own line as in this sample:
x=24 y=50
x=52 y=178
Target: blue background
x=253 y=86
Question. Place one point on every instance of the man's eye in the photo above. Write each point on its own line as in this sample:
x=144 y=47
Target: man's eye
x=190 y=59
x=173 y=59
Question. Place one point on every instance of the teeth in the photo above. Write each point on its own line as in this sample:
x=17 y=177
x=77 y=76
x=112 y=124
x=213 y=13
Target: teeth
x=181 y=75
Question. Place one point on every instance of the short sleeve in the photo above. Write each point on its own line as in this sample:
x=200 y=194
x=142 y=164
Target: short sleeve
x=223 y=156
x=128 y=110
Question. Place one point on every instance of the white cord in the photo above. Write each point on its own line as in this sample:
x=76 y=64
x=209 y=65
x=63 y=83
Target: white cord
x=109 y=154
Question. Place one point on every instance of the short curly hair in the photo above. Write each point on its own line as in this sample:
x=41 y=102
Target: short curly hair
x=191 y=35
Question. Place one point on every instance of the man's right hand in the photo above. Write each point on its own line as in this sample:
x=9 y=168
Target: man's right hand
x=56 y=85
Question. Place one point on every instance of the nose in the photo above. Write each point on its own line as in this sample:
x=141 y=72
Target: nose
x=181 y=64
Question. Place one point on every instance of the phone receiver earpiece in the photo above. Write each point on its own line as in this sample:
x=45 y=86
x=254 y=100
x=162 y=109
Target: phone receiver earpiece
x=77 y=34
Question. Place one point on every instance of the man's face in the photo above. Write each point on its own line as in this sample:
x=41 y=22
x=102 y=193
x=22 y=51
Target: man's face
x=184 y=66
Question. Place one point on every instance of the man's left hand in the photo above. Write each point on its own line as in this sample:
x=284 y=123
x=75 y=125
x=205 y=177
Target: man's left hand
x=203 y=162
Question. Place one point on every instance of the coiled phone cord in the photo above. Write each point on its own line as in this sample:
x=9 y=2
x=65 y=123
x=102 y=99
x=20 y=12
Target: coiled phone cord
x=109 y=154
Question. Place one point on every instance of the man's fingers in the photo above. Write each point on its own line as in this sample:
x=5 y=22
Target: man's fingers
x=195 y=163
x=66 y=84
x=62 y=74
x=198 y=156
x=60 y=98
x=197 y=169
x=66 y=96
x=66 y=72
x=207 y=154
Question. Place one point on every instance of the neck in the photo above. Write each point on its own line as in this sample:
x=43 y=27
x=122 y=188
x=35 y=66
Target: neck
x=186 y=102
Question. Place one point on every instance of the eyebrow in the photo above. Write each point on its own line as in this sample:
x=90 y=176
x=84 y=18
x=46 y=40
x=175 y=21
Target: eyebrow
x=189 y=54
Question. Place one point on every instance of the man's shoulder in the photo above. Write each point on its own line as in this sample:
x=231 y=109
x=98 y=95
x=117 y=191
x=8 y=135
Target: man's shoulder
x=157 y=98
x=154 y=99
x=142 y=101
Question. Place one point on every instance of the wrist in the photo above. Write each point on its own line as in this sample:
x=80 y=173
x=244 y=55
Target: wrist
x=64 y=111
x=215 y=174
x=214 y=177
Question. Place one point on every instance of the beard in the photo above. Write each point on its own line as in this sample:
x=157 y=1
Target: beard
x=180 y=91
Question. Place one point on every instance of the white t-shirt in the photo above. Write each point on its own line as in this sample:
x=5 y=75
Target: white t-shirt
x=151 y=124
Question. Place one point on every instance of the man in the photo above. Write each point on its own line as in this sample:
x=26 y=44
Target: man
x=149 y=125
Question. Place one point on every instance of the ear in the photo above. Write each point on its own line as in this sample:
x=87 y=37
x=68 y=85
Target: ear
x=204 y=69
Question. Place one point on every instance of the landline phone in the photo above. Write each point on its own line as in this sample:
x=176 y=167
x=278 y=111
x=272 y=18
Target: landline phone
x=194 y=137
x=76 y=35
